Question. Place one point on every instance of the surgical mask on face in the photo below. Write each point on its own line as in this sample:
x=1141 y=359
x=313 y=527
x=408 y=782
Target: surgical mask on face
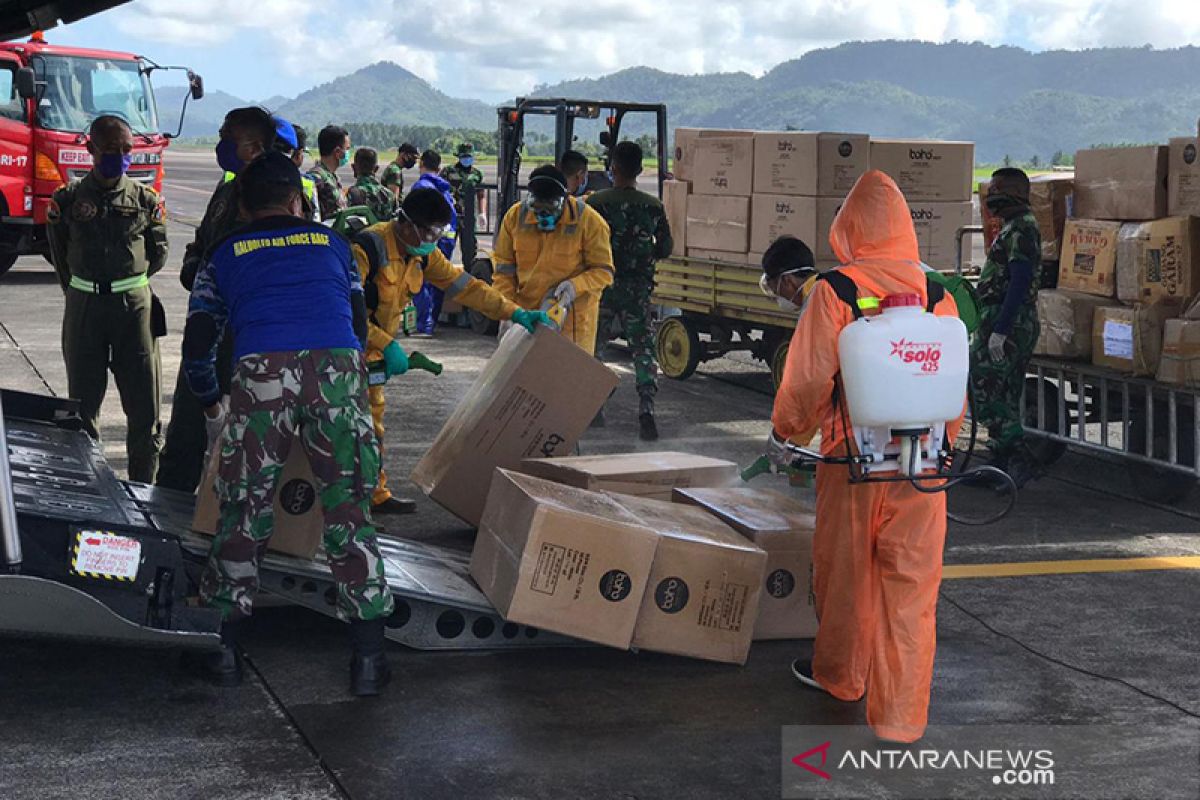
x=345 y=158
x=112 y=165
x=998 y=203
x=467 y=161
x=787 y=304
x=423 y=249
x=227 y=156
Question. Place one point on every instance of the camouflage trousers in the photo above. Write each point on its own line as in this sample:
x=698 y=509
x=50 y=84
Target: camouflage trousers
x=317 y=398
x=998 y=385
x=629 y=310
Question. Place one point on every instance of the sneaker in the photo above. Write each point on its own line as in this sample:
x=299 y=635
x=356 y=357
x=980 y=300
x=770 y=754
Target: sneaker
x=803 y=672
x=647 y=429
x=394 y=505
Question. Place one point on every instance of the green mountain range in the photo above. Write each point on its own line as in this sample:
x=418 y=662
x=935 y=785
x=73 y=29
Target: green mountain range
x=1009 y=101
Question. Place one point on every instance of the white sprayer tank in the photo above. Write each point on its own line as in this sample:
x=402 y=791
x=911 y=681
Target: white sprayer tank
x=904 y=369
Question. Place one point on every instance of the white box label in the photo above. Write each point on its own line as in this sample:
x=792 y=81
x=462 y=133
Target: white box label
x=1118 y=339
x=106 y=555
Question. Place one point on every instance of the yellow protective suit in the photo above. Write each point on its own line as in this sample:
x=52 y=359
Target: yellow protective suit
x=528 y=264
x=399 y=277
x=877 y=551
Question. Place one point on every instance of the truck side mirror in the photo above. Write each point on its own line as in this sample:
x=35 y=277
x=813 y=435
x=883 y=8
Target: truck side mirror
x=195 y=85
x=26 y=83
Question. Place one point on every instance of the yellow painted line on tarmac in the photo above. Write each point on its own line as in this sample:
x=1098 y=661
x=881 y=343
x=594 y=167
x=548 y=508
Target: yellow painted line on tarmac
x=1019 y=569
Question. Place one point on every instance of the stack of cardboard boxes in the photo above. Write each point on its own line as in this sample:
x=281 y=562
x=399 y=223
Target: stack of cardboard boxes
x=1130 y=264
x=737 y=191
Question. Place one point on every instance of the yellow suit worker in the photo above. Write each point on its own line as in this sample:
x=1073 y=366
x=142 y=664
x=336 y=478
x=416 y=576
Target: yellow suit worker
x=554 y=248
x=394 y=259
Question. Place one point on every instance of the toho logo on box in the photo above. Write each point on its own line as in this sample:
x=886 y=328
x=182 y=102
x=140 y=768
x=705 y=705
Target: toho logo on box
x=783 y=207
x=671 y=595
x=720 y=182
x=784 y=146
x=845 y=149
x=1189 y=154
x=781 y=583
x=923 y=215
x=926 y=354
x=921 y=155
x=615 y=585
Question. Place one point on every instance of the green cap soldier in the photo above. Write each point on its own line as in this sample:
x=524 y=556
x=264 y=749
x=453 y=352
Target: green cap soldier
x=463 y=177
x=107 y=237
x=367 y=191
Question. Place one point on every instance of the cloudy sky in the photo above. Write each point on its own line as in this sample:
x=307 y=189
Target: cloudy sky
x=494 y=49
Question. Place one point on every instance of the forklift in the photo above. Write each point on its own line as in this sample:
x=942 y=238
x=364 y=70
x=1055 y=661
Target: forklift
x=510 y=133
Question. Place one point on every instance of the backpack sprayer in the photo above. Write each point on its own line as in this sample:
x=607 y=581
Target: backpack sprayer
x=903 y=376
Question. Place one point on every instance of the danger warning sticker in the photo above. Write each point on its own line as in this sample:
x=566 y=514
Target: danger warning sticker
x=106 y=555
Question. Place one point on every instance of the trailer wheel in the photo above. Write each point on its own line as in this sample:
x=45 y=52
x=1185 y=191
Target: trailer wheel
x=6 y=261
x=1046 y=451
x=1156 y=484
x=679 y=348
x=778 y=360
x=481 y=268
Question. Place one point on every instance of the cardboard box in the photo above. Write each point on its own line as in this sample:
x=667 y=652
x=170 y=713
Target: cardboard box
x=1183 y=177
x=1163 y=256
x=1051 y=200
x=937 y=227
x=1067 y=320
x=1128 y=253
x=1129 y=339
x=927 y=170
x=1180 y=361
x=675 y=197
x=810 y=164
x=716 y=255
x=642 y=474
x=827 y=211
x=685 y=144
x=775 y=215
x=565 y=559
x=1121 y=183
x=723 y=166
x=784 y=528
x=299 y=516
x=1089 y=259
x=702 y=598
x=535 y=397
x=718 y=223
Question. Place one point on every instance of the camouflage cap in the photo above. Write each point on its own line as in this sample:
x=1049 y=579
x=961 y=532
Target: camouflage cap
x=465 y=149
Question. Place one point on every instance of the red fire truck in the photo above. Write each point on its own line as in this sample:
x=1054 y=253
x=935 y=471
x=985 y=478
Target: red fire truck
x=48 y=97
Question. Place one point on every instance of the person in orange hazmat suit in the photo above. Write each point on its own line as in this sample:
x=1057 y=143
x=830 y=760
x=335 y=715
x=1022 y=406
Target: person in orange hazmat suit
x=877 y=550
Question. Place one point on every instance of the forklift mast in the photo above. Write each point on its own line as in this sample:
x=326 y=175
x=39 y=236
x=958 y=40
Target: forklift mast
x=511 y=135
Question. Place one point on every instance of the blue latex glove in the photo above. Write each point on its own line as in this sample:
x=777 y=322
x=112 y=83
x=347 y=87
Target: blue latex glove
x=530 y=319
x=395 y=360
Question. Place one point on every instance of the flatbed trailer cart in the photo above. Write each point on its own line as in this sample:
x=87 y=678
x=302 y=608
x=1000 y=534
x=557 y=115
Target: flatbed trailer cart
x=721 y=301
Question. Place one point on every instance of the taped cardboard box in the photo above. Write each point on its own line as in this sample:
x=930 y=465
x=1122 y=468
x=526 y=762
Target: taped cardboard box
x=775 y=215
x=675 y=197
x=1121 y=183
x=685 y=143
x=653 y=475
x=299 y=516
x=718 y=223
x=783 y=527
x=810 y=164
x=937 y=226
x=723 y=166
x=703 y=595
x=1050 y=199
x=1163 y=256
x=1089 y=259
x=536 y=396
x=716 y=255
x=1067 y=319
x=564 y=559
x=1183 y=177
x=1129 y=339
x=927 y=170
x=1179 y=364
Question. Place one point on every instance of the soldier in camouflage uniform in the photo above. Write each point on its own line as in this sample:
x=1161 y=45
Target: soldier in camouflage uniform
x=289 y=290
x=393 y=173
x=367 y=191
x=333 y=144
x=464 y=178
x=1008 y=328
x=246 y=133
x=640 y=236
x=107 y=237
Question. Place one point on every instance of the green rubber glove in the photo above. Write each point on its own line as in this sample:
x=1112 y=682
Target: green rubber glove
x=530 y=319
x=395 y=360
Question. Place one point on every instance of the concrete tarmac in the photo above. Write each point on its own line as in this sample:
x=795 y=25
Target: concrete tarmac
x=1087 y=648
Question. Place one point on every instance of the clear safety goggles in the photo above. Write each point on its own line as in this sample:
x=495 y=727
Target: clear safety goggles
x=547 y=206
x=430 y=234
x=765 y=283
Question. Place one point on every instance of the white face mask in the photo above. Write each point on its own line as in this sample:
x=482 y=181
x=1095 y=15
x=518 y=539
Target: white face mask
x=784 y=303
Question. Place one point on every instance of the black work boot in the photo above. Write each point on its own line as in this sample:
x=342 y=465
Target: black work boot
x=369 y=670
x=394 y=505
x=647 y=429
x=222 y=667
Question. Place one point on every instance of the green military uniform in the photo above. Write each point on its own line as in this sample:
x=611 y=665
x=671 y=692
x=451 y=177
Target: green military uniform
x=464 y=182
x=640 y=236
x=998 y=385
x=106 y=242
x=329 y=191
x=393 y=175
x=369 y=192
x=182 y=460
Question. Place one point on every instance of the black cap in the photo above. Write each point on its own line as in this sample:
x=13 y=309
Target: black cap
x=272 y=167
